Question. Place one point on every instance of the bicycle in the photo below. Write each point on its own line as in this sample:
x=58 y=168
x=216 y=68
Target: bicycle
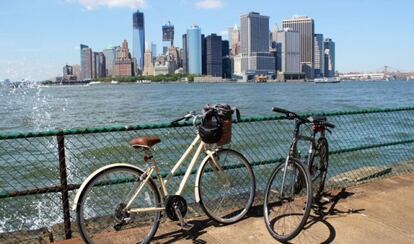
x=295 y=185
x=125 y=199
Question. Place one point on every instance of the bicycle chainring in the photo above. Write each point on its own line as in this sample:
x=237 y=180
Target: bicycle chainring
x=171 y=203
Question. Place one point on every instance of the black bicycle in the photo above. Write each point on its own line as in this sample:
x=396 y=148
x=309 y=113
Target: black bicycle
x=289 y=195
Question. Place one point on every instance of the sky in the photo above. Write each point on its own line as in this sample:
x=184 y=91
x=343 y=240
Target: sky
x=38 y=37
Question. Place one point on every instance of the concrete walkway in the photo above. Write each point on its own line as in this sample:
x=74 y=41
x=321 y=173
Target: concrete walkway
x=378 y=212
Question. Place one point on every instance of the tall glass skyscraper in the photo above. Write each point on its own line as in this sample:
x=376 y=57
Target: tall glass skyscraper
x=319 y=57
x=329 y=48
x=306 y=28
x=254 y=44
x=86 y=62
x=193 y=50
x=138 y=39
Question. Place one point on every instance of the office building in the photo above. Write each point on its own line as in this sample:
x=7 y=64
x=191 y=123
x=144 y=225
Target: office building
x=254 y=44
x=184 y=56
x=214 y=56
x=124 y=65
x=306 y=28
x=226 y=61
x=329 y=50
x=234 y=40
x=100 y=65
x=153 y=51
x=287 y=44
x=193 y=50
x=69 y=73
x=148 y=63
x=138 y=40
x=168 y=33
x=203 y=55
x=110 y=54
x=86 y=62
x=319 y=56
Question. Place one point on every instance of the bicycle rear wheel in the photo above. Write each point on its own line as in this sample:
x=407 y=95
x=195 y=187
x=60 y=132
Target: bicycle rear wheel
x=286 y=207
x=100 y=215
x=226 y=191
x=319 y=167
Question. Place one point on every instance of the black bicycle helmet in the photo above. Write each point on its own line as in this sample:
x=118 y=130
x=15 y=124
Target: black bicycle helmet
x=211 y=128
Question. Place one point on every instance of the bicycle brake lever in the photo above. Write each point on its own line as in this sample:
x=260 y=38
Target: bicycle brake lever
x=330 y=132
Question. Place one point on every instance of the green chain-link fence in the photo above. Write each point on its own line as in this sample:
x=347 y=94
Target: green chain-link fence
x=40 y=172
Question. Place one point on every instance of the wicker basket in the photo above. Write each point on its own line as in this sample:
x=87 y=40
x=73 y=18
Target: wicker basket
x=226 y=137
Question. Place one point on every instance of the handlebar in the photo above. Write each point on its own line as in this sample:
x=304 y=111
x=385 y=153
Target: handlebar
x=289 y=115
x=292 y=115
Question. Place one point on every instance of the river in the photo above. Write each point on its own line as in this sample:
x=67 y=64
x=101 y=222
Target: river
x=42 y=108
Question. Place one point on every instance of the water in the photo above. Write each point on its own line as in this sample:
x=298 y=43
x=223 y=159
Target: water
x=32 y=163
x=28 y=109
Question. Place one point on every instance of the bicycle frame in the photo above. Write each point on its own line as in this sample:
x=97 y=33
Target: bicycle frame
x=293 y=151
x=164 y=182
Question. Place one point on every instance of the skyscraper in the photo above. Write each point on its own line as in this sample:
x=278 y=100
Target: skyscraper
x=153 y=51
x=168 y=33
x=123 y=62
x=100 y=65
x=110 y=54
x=254 y=44
x=226 y=66
x=184 y=57
x=193 y=50
x=319 y=56
x=148 y=63
x=329 y=49
x=214 y=55
x=306 y=28
x=138 y=39
x=288 y=51
x=86 y=62
x=234 y=35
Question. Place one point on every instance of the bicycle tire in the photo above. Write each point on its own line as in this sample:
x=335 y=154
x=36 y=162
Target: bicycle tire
x=97 y=223
x=319 y=167
x=213 y=186
x=302 y=213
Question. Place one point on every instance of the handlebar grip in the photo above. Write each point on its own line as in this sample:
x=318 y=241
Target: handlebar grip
x=327 y=124
x=177 y=120
x=281 y=110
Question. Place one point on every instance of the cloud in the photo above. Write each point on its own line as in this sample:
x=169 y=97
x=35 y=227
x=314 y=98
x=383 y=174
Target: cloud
x=209 y=4
x=92 y=4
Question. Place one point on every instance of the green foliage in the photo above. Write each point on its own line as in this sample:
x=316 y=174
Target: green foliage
x=152 y=78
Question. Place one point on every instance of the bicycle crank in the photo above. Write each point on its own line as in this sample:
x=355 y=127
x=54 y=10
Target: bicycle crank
x=176 y=209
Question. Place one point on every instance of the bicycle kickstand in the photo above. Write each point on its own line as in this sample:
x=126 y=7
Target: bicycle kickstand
x=184 y=225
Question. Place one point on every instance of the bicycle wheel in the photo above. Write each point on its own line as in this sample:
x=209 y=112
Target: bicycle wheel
x=286 y=208
x=100 y=207
x=319 y=167
x=226 y=193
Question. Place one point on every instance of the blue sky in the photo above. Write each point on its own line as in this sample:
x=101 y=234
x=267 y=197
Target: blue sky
x=38 y=37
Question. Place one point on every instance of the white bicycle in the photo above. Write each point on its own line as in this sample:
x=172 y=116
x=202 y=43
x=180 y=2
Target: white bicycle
x=125 y=199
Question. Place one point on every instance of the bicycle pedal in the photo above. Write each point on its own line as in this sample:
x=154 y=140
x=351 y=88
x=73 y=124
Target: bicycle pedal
x=325 y=199
x=186 y=226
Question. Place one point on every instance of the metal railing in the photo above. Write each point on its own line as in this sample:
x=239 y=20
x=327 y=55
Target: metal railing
x=40 y=171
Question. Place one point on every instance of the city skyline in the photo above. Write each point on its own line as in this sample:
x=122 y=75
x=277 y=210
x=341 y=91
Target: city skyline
x=53 y=40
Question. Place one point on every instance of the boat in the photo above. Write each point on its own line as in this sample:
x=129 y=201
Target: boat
x=261 y=79
x=94 y=83
x=327 y=80
x=114 y=82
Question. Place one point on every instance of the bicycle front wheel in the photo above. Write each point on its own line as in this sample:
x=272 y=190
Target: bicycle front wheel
x=319 y=167
x=288 y=200
x=101 y=212
x=226 y=186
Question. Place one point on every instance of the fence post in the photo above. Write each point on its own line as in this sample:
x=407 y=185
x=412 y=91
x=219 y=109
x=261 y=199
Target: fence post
x=64 y=185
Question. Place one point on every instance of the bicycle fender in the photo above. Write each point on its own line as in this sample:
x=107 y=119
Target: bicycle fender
x=85 y=182
x=197 y=181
